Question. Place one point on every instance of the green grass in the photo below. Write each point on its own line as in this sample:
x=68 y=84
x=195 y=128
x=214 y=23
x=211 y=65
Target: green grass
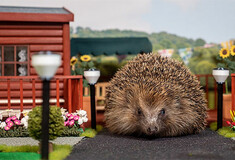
x=225 y=131
x=28 y=152
x=19 y=156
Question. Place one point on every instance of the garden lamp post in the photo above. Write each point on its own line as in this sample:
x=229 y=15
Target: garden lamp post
x=220 y=75
x=92 y=75
x=45 y=64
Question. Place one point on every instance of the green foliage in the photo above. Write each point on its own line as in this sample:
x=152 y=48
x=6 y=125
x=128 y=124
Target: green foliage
x=73 y=131
x=90 y=133
x=227 y=63
x=56 y=123
x=17 y=131
x=161 y=40
x=204 y=67
x=199 y=42
x=206 y=56
x=108 y=68
x=224 y=131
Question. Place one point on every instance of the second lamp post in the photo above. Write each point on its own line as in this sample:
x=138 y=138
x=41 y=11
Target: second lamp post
x=220 y=75
x=92 y=76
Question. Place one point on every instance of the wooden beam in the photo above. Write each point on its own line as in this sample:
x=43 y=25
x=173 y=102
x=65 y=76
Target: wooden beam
x=31 y=40
x=30 y=33
x=66 y=49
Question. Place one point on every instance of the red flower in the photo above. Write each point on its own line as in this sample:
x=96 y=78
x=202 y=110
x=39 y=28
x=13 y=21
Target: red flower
x=228 y=122
x=233 y=123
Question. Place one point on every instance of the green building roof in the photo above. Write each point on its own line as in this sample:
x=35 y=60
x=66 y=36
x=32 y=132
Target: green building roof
x=110 y=46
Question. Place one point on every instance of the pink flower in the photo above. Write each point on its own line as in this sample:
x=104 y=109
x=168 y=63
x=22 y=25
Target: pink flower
x=68 y=115
x=17 y=122
x=7 y=128
x=66 y=123
x=13 y=118
x=8 y=120
x=10 y=124
x=71 y=123
x=76 y=118
x=71 y=117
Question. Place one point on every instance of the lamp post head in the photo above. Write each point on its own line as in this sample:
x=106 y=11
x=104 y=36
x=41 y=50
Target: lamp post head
x=220 y=74
x=46 y=64
x=92 y=76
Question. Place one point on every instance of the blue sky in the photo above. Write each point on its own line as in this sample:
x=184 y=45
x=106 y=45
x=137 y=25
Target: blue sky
x=212 y=20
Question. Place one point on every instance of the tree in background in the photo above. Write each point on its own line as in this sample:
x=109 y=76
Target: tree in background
x=199 y=42
x=203 y=60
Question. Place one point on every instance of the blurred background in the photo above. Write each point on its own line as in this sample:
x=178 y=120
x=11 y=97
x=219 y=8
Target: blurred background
x=112 y=32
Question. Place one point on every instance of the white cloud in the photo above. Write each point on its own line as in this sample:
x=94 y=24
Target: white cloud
x=98 y=14
x=185 y=5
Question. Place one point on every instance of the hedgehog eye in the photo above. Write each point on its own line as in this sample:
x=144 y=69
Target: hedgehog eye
x=162 y=112
x=139 y=111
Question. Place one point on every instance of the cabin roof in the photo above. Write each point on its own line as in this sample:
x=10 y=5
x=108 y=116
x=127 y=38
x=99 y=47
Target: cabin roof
x=33 y=10
x=35 y=14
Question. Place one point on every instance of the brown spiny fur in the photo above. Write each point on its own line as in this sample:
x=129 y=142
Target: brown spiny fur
x=154 y=96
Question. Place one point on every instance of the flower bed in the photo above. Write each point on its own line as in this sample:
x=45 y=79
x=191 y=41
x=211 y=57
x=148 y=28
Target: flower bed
x=17 y=125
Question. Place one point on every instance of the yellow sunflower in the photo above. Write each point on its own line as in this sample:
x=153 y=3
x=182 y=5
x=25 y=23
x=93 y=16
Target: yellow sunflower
x=73 y=61
x=224 y=53
x=232 y=50
x=85 y=58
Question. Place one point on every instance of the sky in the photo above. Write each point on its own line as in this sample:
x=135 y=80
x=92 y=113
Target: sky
x=211 y=20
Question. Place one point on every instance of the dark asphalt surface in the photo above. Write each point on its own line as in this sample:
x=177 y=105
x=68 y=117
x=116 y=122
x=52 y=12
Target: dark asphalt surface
x=105 y=146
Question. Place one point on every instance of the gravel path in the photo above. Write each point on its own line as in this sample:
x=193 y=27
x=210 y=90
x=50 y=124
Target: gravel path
x=105 y=146
x=29 y=141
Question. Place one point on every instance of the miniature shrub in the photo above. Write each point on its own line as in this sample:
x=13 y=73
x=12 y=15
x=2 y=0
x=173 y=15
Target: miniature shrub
x=73 y=131
x=56 y=123
x=19 y=131
x=90 y=133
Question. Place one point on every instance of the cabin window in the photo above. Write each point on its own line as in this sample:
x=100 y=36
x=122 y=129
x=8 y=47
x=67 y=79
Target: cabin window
x=14 y=60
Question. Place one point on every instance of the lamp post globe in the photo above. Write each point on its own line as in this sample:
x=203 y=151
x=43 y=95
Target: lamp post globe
x=45 y=64
x=92 y=76
x=220 y=75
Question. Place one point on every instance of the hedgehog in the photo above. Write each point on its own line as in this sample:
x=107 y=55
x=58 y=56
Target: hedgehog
x=154 y=96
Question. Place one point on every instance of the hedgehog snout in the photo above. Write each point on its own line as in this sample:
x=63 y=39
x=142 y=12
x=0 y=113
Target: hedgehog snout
x=152 y=129
x=152 y=126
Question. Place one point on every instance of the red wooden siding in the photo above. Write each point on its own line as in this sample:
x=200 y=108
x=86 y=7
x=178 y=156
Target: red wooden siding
x=45 y=37
x=24 y=92
x=38 y=37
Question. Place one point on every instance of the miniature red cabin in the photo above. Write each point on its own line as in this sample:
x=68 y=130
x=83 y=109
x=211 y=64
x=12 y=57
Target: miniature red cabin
x=25 y=31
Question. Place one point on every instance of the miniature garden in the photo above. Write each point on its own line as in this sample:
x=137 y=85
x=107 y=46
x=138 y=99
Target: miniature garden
x=64 y=124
